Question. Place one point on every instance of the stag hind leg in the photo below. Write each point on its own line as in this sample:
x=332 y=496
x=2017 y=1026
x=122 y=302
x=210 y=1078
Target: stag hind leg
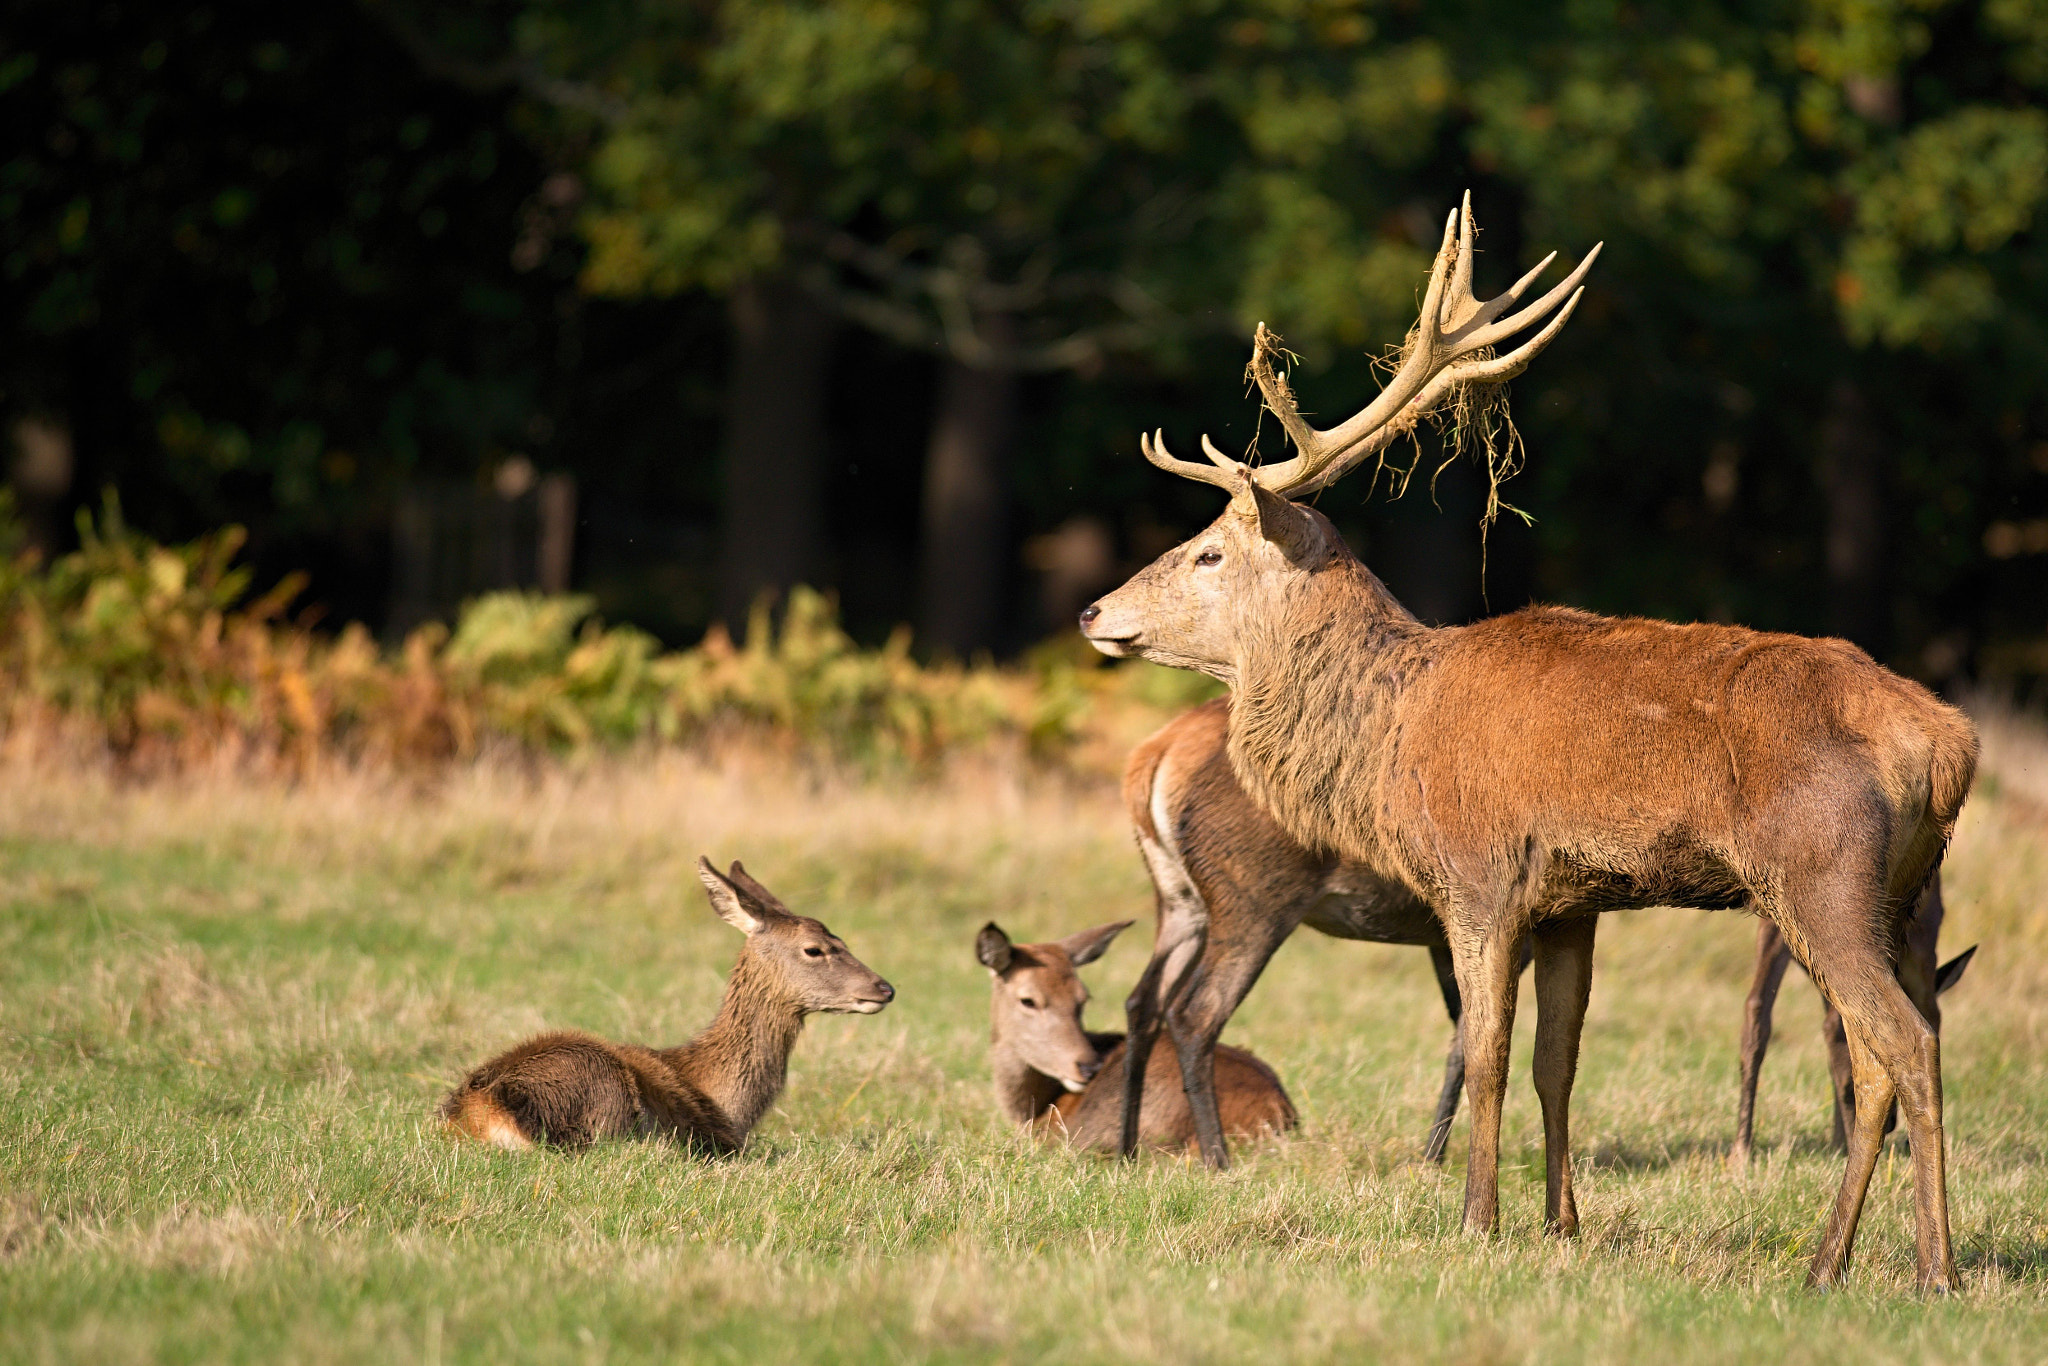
x=1564 y=983
x=1893 y=1051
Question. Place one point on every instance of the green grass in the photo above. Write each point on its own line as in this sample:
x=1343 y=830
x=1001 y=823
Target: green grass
x=226 y=1014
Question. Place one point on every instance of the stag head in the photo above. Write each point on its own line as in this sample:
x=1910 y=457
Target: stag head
x=1189 y=607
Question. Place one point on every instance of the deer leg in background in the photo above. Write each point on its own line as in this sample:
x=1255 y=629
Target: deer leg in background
x=1454 y=1061
x=1488 y=961
x=1773 y=956
x=1564 y=983
x=1177 y=949
x=1142 y=1017
x=1229 y=968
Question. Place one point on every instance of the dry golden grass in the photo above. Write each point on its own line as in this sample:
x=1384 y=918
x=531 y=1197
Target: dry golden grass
x=226 y=1009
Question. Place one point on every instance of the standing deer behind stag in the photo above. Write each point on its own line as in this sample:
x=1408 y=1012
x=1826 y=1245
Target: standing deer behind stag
x=1525 y=773
x=1059 y=1079
x=571 y=1089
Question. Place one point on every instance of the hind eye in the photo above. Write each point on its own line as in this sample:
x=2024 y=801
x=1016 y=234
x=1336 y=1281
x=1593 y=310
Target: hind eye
x=1209 y=557
x=1027 y=1003
x=814 y=953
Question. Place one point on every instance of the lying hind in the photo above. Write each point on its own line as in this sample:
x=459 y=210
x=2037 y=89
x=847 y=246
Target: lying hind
x=571 y=1089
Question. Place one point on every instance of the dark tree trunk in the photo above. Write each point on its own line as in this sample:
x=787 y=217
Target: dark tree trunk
x=966 y=507
x=775 y=443
x=1853 y=478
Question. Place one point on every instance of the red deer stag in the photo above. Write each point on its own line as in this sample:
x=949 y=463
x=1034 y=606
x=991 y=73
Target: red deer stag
x=1231 y=886
x=1061 y=1079
x=1527 y=772
x=572 y=1089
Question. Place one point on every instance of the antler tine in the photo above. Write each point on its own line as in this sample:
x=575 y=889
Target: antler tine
x=1487 y=336
x=1461 y=282
x=1274 y=388
x=1494 y=370
x=1516 y=361
x=1153 y=444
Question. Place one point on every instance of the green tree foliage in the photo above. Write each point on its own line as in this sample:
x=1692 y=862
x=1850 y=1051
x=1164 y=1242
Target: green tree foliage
x=260 y=263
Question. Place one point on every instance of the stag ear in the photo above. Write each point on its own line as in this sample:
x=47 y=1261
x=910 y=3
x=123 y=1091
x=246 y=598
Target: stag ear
x=1287 y=527
x=1951 y=972
x=992 y=947
x=1089 y=945
x=728 y=901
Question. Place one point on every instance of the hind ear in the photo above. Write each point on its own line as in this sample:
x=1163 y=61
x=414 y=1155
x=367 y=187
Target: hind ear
x=992 y=947
x=1951 y=972
x=1089 y=945
x=763 y=899
x=726 y=900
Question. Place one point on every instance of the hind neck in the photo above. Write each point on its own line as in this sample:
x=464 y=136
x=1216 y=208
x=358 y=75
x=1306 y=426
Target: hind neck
x=1023 y=1093
x=740 y=1061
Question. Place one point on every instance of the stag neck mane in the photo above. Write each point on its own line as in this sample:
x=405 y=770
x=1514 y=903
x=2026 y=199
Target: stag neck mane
x=740 y=1061
x=1315 y=705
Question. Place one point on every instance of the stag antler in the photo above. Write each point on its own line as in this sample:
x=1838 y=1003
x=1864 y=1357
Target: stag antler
x=1451 y=346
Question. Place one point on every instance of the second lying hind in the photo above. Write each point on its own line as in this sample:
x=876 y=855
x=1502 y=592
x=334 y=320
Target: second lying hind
x=1062 y=1080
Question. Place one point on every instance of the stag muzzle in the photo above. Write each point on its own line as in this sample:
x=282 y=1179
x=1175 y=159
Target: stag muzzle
x=1109 y=631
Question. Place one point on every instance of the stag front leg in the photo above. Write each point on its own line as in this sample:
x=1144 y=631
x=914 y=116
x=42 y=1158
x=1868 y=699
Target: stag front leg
x=1564 y=983
x=1488 y=967
x=1773 y=957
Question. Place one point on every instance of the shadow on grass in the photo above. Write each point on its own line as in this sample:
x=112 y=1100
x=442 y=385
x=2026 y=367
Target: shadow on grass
x=1631 y=1158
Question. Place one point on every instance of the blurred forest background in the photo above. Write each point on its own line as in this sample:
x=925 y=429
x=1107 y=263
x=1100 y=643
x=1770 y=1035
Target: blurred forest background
x=671 y=301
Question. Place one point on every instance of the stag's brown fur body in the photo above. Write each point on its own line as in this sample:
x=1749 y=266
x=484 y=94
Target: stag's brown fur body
x=1592 y=763
x=572 y=1089
x=1055 y=1076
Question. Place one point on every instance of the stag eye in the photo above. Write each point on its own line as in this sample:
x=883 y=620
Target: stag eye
x=1027 y=1003
x=814 y=952
x=1209 y=557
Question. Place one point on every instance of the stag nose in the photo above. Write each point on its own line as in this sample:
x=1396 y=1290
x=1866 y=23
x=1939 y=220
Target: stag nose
x=887 y=992
x=1090 y=1068
x=1090 y=612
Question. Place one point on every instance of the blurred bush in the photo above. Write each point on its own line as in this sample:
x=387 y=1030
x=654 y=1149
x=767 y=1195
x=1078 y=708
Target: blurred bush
x=159 y=656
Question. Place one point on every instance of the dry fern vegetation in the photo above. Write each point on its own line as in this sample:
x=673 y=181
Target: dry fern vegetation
x=228 y=1004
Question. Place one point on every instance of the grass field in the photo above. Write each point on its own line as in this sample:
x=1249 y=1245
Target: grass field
x=226 y=1011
